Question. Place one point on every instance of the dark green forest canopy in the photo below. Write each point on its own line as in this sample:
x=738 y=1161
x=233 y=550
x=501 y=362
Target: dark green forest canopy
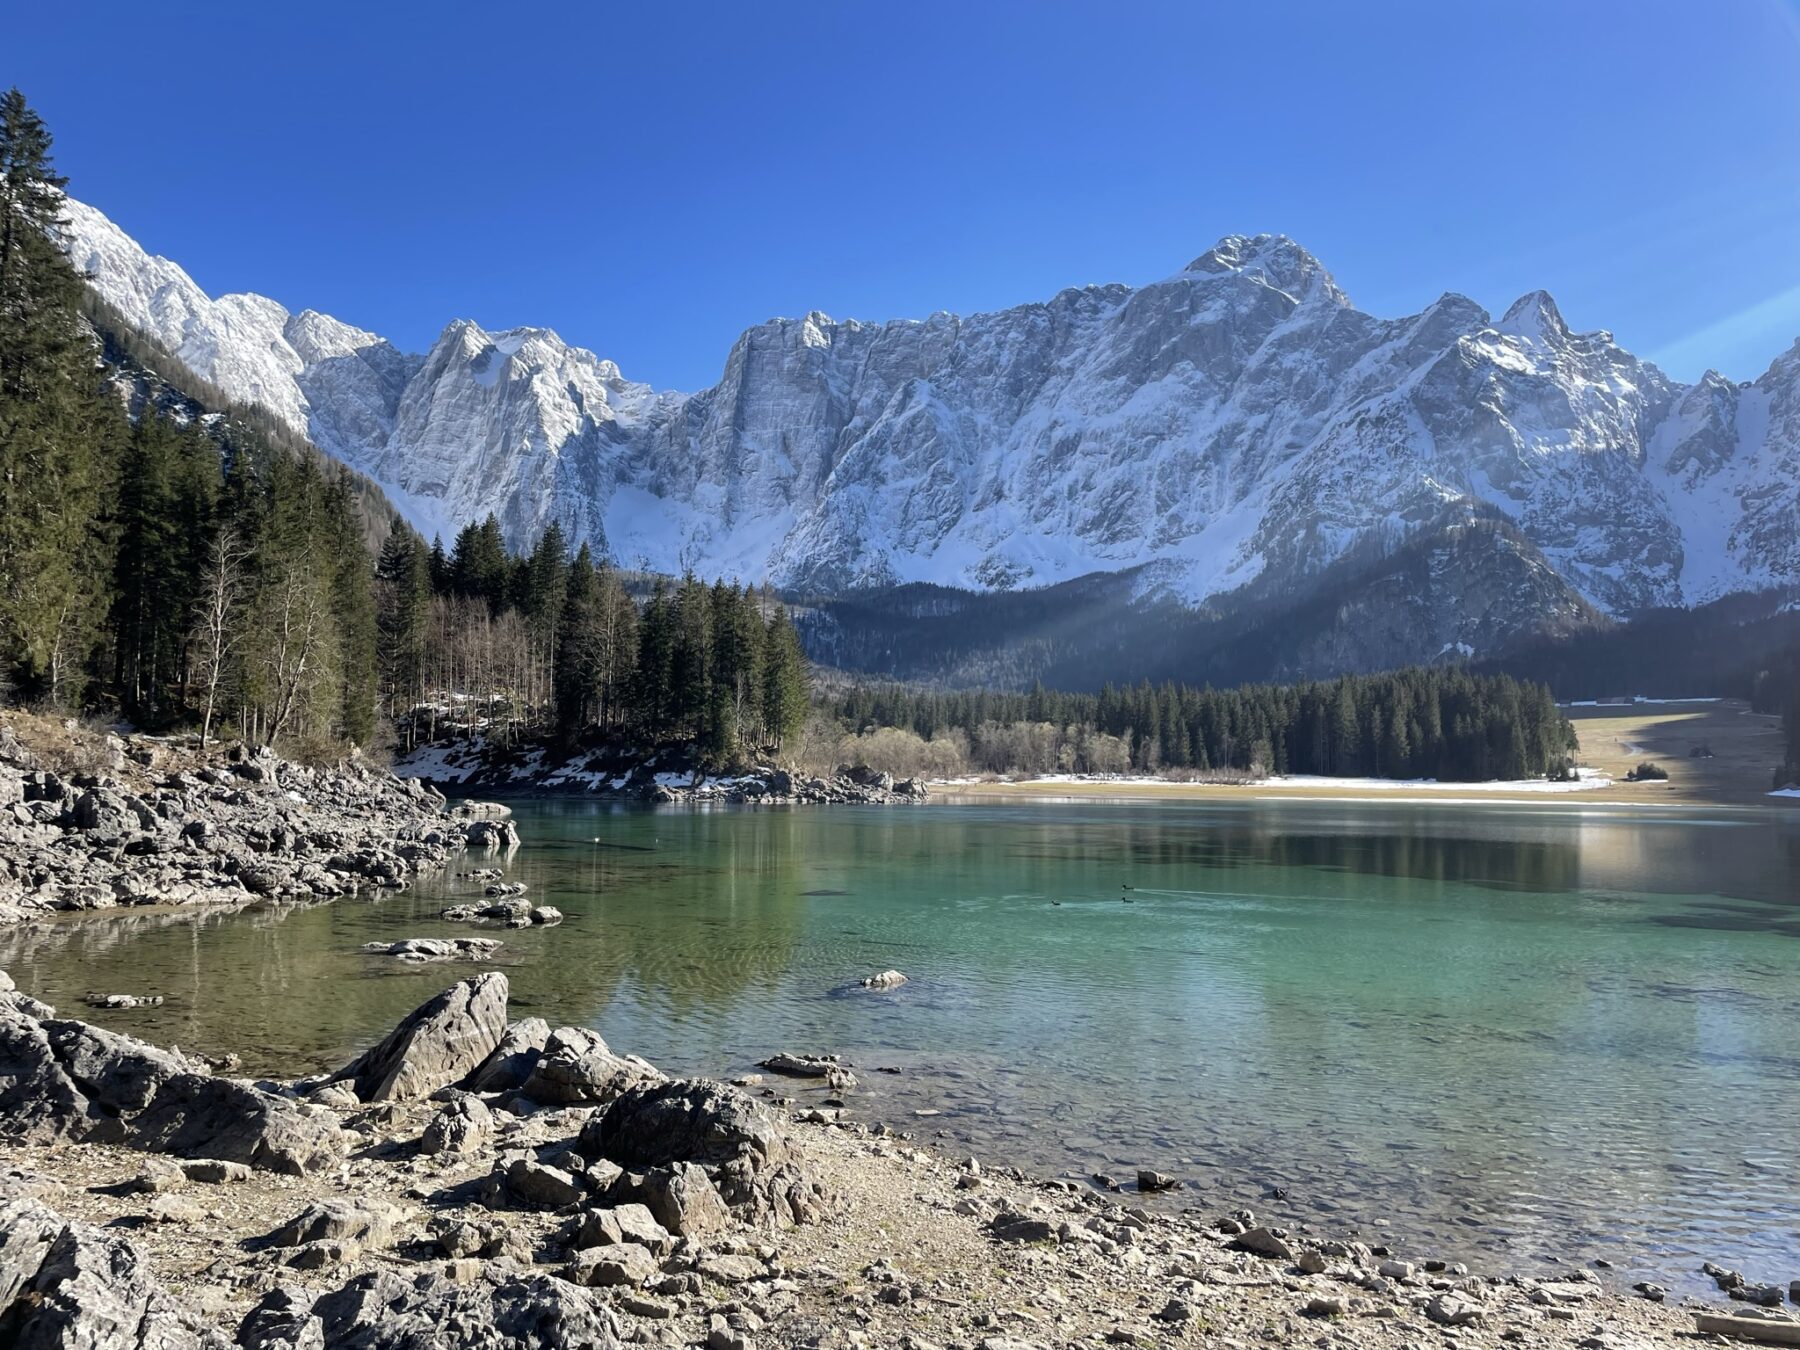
x=1442 y=723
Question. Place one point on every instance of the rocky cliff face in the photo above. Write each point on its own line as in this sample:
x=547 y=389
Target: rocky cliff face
x=1239 y=422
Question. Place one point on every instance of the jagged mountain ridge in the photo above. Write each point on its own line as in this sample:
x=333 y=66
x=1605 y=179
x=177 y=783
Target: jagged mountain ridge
x=1239 y=424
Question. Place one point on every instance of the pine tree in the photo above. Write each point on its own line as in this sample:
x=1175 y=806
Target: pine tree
x=439 y=567
x=479 y=568
x=403 y=617
x=353 y=610
x=54 y=426
x=652 y=682
x=785 y=692
x=690 y=659
x=579 y=641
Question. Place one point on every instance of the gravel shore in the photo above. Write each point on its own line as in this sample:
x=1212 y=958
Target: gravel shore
x=559 y=1193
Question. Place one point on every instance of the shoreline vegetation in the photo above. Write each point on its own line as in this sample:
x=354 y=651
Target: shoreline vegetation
x=1738 y=745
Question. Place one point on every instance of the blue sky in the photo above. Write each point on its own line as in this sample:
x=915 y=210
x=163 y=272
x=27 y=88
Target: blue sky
x=649 y=180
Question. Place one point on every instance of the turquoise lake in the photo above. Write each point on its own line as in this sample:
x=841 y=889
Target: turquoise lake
x=1499 y=1033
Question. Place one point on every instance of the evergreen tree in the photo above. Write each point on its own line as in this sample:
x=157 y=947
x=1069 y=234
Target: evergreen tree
x=403 y=618
x=354 y=613
x=479 y=567
x=785 y=684
x=652 y=683
x=55 y=429
x=438 y=566
x=690 y=659
x=580 y=640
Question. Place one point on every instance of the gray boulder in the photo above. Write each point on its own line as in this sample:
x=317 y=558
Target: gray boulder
x=62 y=1079
x=578 y=1068
x=624 y=1223
x=540 y=1186
x=435 y=1045
x=491 y=834
x=511 y=1063
x=66 y=1286
x=686 y=1120
x=464 y=1126
x=501 y=1310
x=683 y=1200
x=743 y=1148
x=625 y=1264
x=369 y=1224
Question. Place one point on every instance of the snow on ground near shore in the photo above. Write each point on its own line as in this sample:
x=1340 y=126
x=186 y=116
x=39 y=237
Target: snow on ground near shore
x=1785 y=792
x=1605 y=703
x=1587 y=780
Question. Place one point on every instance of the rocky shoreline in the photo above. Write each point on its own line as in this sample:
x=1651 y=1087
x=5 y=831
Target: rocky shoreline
x=626 y=773
x=474 y=1180
x=153 y=821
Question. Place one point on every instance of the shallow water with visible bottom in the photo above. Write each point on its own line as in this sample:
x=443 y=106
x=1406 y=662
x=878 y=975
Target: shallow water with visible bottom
x=1499 y=1033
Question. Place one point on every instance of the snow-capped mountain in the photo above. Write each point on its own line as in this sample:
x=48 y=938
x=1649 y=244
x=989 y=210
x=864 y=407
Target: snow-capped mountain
x=1239 y=422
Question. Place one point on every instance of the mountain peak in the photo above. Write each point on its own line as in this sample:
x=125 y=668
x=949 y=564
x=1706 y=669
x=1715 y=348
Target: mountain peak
x=1534 y=315
x=1275 y=260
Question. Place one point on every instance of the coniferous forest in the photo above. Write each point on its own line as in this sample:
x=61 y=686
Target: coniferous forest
x=553 y=644
x=1442 y=723
x=184 y=566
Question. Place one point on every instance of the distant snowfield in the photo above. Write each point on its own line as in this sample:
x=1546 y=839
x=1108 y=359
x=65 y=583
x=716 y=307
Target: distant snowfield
x=1602 y=703
x=1586 y=781
x=1785 y=792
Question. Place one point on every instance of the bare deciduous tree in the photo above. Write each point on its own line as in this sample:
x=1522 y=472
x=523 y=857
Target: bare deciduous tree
x=216 y=630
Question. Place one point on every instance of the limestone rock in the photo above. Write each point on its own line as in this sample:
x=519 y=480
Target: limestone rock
x=623 y=1263
x=463 y=1126
x=69 y=1080
x=368 y=1223
x=500 y=1310
x=435 y=1045
x=68 y=1285
x=511 y=1063
x=577 y=1067
x=436 y=949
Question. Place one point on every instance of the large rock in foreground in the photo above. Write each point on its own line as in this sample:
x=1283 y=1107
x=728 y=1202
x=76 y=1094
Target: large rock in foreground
x=689 y=1120
x=503 y=1310
x=62 y=1079
x=668 y=1129
x=437 y=1044
x=68 y=1285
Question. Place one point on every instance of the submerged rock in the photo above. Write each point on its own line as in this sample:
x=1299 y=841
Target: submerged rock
x=122 y=1000
x=436 y=949
x=803 y=1066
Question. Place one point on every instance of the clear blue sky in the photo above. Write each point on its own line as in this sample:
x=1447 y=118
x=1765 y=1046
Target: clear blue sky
x=648 y=180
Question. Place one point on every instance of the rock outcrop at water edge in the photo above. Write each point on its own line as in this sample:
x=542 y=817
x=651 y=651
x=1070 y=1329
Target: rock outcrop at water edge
x=154 y=821
x=437 y=1044
x=62 y=1079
